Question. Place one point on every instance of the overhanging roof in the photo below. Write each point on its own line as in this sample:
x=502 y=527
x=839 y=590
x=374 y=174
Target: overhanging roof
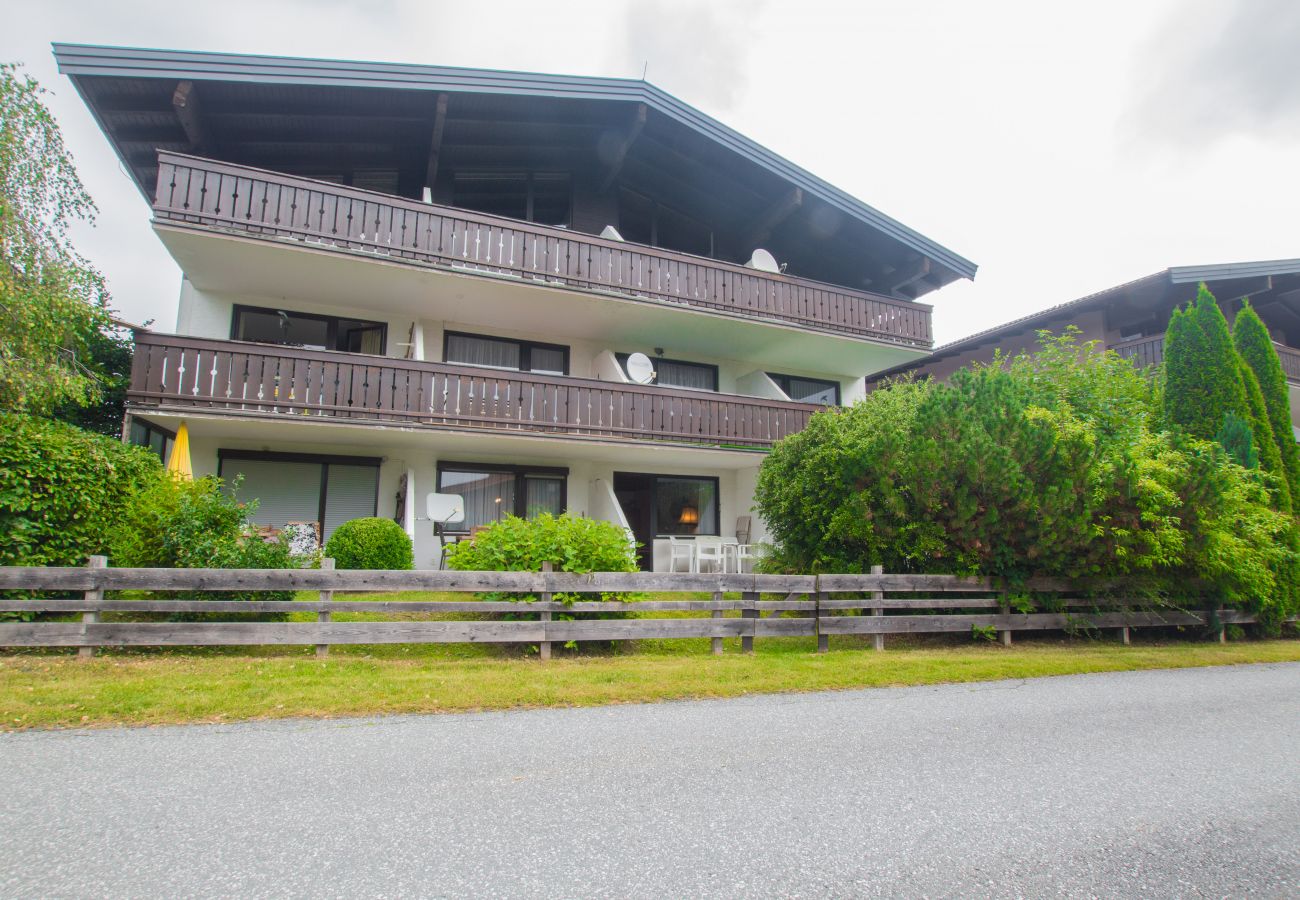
x=85 y=62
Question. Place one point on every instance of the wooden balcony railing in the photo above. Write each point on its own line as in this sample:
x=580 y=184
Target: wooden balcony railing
x=237 y=378
x=195 y=191
x=1150 y=351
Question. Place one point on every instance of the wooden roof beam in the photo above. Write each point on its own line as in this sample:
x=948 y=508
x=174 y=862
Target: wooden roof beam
x=188 y=109
x=617 y=152
x=903 y=276
x=775 y=215
x=435 y=142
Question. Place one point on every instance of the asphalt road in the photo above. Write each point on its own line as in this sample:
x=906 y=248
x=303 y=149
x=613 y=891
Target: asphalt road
x=1180 y=783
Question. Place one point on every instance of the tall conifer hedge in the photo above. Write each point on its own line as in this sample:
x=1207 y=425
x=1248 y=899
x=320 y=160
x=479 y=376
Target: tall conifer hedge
x=1256 y=349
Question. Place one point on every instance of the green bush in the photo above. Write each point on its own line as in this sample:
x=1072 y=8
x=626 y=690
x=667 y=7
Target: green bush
x=370 y=544
x=195 y=525
x=1045 y=464
x=64 y=491
x=569 y=543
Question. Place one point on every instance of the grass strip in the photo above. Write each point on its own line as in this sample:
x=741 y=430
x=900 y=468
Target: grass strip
x=53 y=690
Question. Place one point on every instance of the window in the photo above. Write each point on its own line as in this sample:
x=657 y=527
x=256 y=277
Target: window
x=297 y=487
x=676 y=373
x=492 y=492
x=644 y=221
x=685 y=505
x=502 y=353
x=542 y=197
x=309 y=331
x=668 y=504
x=157 y=439
x=808 y=390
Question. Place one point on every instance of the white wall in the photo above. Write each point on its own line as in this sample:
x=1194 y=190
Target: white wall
x=209 y=315
x=585 y=496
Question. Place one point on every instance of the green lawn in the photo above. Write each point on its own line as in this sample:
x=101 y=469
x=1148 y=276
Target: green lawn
x=50 y=688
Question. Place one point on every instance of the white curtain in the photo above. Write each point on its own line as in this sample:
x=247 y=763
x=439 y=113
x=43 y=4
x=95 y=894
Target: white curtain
x=488 y=496
x=702 y=378
x=476 y=351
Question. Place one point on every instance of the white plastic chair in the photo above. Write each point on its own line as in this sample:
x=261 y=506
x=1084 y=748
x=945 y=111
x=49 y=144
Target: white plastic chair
x=680 y=550
x=746 y=552
x=709 y=552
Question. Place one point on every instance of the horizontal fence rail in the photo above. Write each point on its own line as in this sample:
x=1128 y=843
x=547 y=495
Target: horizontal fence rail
x=202 y=192
x=240 y=378
x=1150 y=351
x=766 y=606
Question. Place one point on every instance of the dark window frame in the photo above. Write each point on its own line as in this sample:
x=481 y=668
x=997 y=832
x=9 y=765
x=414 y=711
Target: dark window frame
x=783 y=382
x=168 y=436
x=521 y=473
x=530 y=177
x=331 y=327
x=654 y=502
x=622 y=361
x=525 y=350
x=324 y=459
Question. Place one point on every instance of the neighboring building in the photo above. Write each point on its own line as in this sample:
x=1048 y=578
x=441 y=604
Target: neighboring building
x=402 y=279
x=1131 y=319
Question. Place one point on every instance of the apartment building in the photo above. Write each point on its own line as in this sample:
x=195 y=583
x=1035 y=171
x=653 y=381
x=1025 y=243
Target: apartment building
x=539 y=293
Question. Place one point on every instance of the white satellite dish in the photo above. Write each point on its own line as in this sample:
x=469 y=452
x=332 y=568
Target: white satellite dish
x=445 y=508
x=640 y=369
x=611 y=234
x=763 y=261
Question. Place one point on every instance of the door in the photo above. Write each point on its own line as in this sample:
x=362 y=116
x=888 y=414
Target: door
x=635 y=493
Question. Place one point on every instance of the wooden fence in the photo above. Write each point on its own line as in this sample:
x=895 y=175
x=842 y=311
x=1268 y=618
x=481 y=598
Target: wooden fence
x=760 y=606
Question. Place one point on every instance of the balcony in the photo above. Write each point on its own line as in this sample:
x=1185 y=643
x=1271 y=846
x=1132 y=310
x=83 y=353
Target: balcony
x=232 y=378
x=1150 y=351
x=254 y=203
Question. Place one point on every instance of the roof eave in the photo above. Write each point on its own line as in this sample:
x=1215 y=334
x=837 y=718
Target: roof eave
x=96 y=60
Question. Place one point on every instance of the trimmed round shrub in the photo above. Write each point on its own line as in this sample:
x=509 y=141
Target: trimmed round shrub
x=370 y=544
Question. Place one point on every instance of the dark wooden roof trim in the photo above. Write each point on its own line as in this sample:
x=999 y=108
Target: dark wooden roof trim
x=89 y=60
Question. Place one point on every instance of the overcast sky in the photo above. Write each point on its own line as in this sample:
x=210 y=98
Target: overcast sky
x=1062 y=147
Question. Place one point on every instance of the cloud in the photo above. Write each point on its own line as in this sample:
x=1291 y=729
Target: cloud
x=1219 y=68
x=697 y=51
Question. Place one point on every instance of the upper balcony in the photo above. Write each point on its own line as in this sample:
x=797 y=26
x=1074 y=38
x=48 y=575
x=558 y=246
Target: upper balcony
x=1150 y=351
x=267 y=206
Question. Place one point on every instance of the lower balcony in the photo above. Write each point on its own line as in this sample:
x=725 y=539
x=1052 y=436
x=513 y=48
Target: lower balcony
x=214 y=377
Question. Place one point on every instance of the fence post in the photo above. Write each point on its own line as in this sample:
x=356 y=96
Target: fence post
x=748 y=611
x=1223 y=629
x=94 y=596
x=544 y=648
x=716 y=643
x=1123 y=635
x=326 y=564
x=823 y=640
x=877 y=610
x=1005 y=609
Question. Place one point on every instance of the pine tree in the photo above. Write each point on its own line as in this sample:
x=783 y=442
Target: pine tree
x=1202 y=371
x=1270 y=460
x=1256 y=349
x=1236 y=438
